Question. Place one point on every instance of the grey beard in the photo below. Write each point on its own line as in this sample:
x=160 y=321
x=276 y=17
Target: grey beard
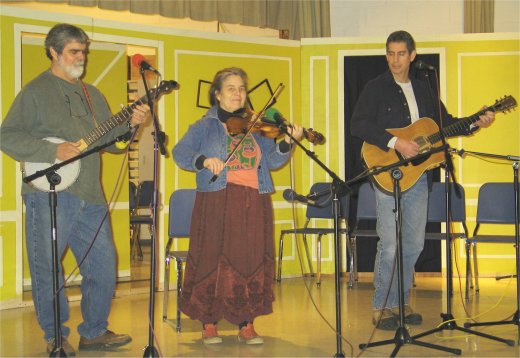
x=75 y=72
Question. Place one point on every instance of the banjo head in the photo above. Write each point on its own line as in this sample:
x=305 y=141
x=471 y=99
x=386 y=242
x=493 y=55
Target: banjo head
x=68 y=173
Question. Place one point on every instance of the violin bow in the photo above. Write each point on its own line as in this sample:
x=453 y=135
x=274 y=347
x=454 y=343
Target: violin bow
x=260 y=114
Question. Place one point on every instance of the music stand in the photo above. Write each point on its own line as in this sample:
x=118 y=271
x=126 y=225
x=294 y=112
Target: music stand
x=516 y=318
x=54 y=179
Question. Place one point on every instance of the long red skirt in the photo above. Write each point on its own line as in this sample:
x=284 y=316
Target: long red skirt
x=230 y=265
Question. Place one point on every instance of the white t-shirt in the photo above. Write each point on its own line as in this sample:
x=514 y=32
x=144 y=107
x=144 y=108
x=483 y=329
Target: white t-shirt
x=412 y=105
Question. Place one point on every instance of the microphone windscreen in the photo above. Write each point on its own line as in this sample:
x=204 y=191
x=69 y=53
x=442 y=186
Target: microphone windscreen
x=289 y=194
x=137 y=59
x=270 y=115
x=421 y=65
x=278 y=118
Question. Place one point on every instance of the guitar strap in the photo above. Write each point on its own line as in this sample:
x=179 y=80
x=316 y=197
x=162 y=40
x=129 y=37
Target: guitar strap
x=89 y=101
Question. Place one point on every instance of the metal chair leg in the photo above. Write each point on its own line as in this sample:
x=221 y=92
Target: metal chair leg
x=135 y=243
x=179 y=292
x=351 y=261
x=475 y=267
x=468 y=270
x=166 y=287
x=318 y=254
x=354 y=249
x=280 y=255
x=309 y=260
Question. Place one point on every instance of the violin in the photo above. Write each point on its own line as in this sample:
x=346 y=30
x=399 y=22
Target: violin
x=242 y=123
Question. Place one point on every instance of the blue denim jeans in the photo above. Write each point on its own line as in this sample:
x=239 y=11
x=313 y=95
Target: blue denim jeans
x=77 y=224
x=414 y=209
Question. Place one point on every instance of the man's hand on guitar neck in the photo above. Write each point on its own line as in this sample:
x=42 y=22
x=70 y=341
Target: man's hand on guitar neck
x=485 y=119
x=408 y=148
x=67 y=150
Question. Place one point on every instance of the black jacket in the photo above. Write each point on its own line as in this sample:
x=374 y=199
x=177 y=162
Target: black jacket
x=382 y=105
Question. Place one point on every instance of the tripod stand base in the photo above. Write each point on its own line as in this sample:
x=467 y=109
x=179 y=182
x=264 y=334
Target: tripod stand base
x=515 y=320
x=150 y=351
x=402 y=337
x=503 y=277
x=57 y=353
x=449 y=323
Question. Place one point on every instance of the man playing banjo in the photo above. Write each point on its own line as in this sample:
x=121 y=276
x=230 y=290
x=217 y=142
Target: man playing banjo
x=58 y=104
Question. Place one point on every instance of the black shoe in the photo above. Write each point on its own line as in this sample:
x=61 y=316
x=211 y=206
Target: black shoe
x=106 y=341
x=384 y=319
x=410 y=317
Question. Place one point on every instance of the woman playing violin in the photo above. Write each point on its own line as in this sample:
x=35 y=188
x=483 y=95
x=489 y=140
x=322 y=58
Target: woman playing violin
x=230 y=266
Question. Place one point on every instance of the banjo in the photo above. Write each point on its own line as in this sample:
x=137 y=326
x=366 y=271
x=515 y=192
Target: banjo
x=69 y=173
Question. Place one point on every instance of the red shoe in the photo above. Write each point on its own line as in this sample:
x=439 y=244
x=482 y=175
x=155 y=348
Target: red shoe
x=210 y=334
x=247 y=334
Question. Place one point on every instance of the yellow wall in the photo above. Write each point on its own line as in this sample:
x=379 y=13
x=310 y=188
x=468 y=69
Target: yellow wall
x=186 y=58
x=475 y=70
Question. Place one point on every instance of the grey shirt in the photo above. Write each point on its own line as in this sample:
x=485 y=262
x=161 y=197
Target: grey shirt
x=49 y=106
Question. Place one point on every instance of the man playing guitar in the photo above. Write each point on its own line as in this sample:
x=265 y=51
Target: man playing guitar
x=394 y=100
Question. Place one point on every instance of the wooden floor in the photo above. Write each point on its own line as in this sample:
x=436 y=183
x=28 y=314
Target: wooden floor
x=302 y=324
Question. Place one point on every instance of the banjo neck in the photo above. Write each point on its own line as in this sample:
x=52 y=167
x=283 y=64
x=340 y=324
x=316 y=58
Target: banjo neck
x=121 y=117
x=124 y=115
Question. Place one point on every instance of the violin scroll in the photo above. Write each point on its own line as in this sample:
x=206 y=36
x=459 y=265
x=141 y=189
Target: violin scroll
x=313 y=136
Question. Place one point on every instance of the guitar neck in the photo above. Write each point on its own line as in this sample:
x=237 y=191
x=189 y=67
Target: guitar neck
x=458 y=127
x=121 y=117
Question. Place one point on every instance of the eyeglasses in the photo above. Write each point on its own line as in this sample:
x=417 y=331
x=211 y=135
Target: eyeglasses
x=77 y=105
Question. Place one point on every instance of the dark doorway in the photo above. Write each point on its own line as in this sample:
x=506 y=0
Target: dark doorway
x=358 y=70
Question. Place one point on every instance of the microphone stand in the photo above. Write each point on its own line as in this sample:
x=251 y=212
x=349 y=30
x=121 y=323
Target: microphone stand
x=159 y=137
x=54 y=179
x=516 y=318
x=339 y=189
x=448 y=320
x=402 y=336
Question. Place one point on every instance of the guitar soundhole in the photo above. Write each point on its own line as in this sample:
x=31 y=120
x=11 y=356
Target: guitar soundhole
x=415 y=162
x=419 y=161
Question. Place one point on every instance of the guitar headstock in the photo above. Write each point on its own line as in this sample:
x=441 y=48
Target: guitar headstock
x=504 y=104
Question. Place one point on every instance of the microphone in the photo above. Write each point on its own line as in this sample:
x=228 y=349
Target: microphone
x=274 y=116
x=291 y=195
x=139 y=61
x=421 y=65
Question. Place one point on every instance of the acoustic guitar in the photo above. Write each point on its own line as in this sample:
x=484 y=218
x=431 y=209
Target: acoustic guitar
x=424 y=132
x=70 y=172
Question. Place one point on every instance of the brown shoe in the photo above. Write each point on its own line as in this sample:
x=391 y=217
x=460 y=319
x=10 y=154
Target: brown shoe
x=210 y=334
x=248 y=334
x=106 y=341
x=65 y=345
x=410 y=317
